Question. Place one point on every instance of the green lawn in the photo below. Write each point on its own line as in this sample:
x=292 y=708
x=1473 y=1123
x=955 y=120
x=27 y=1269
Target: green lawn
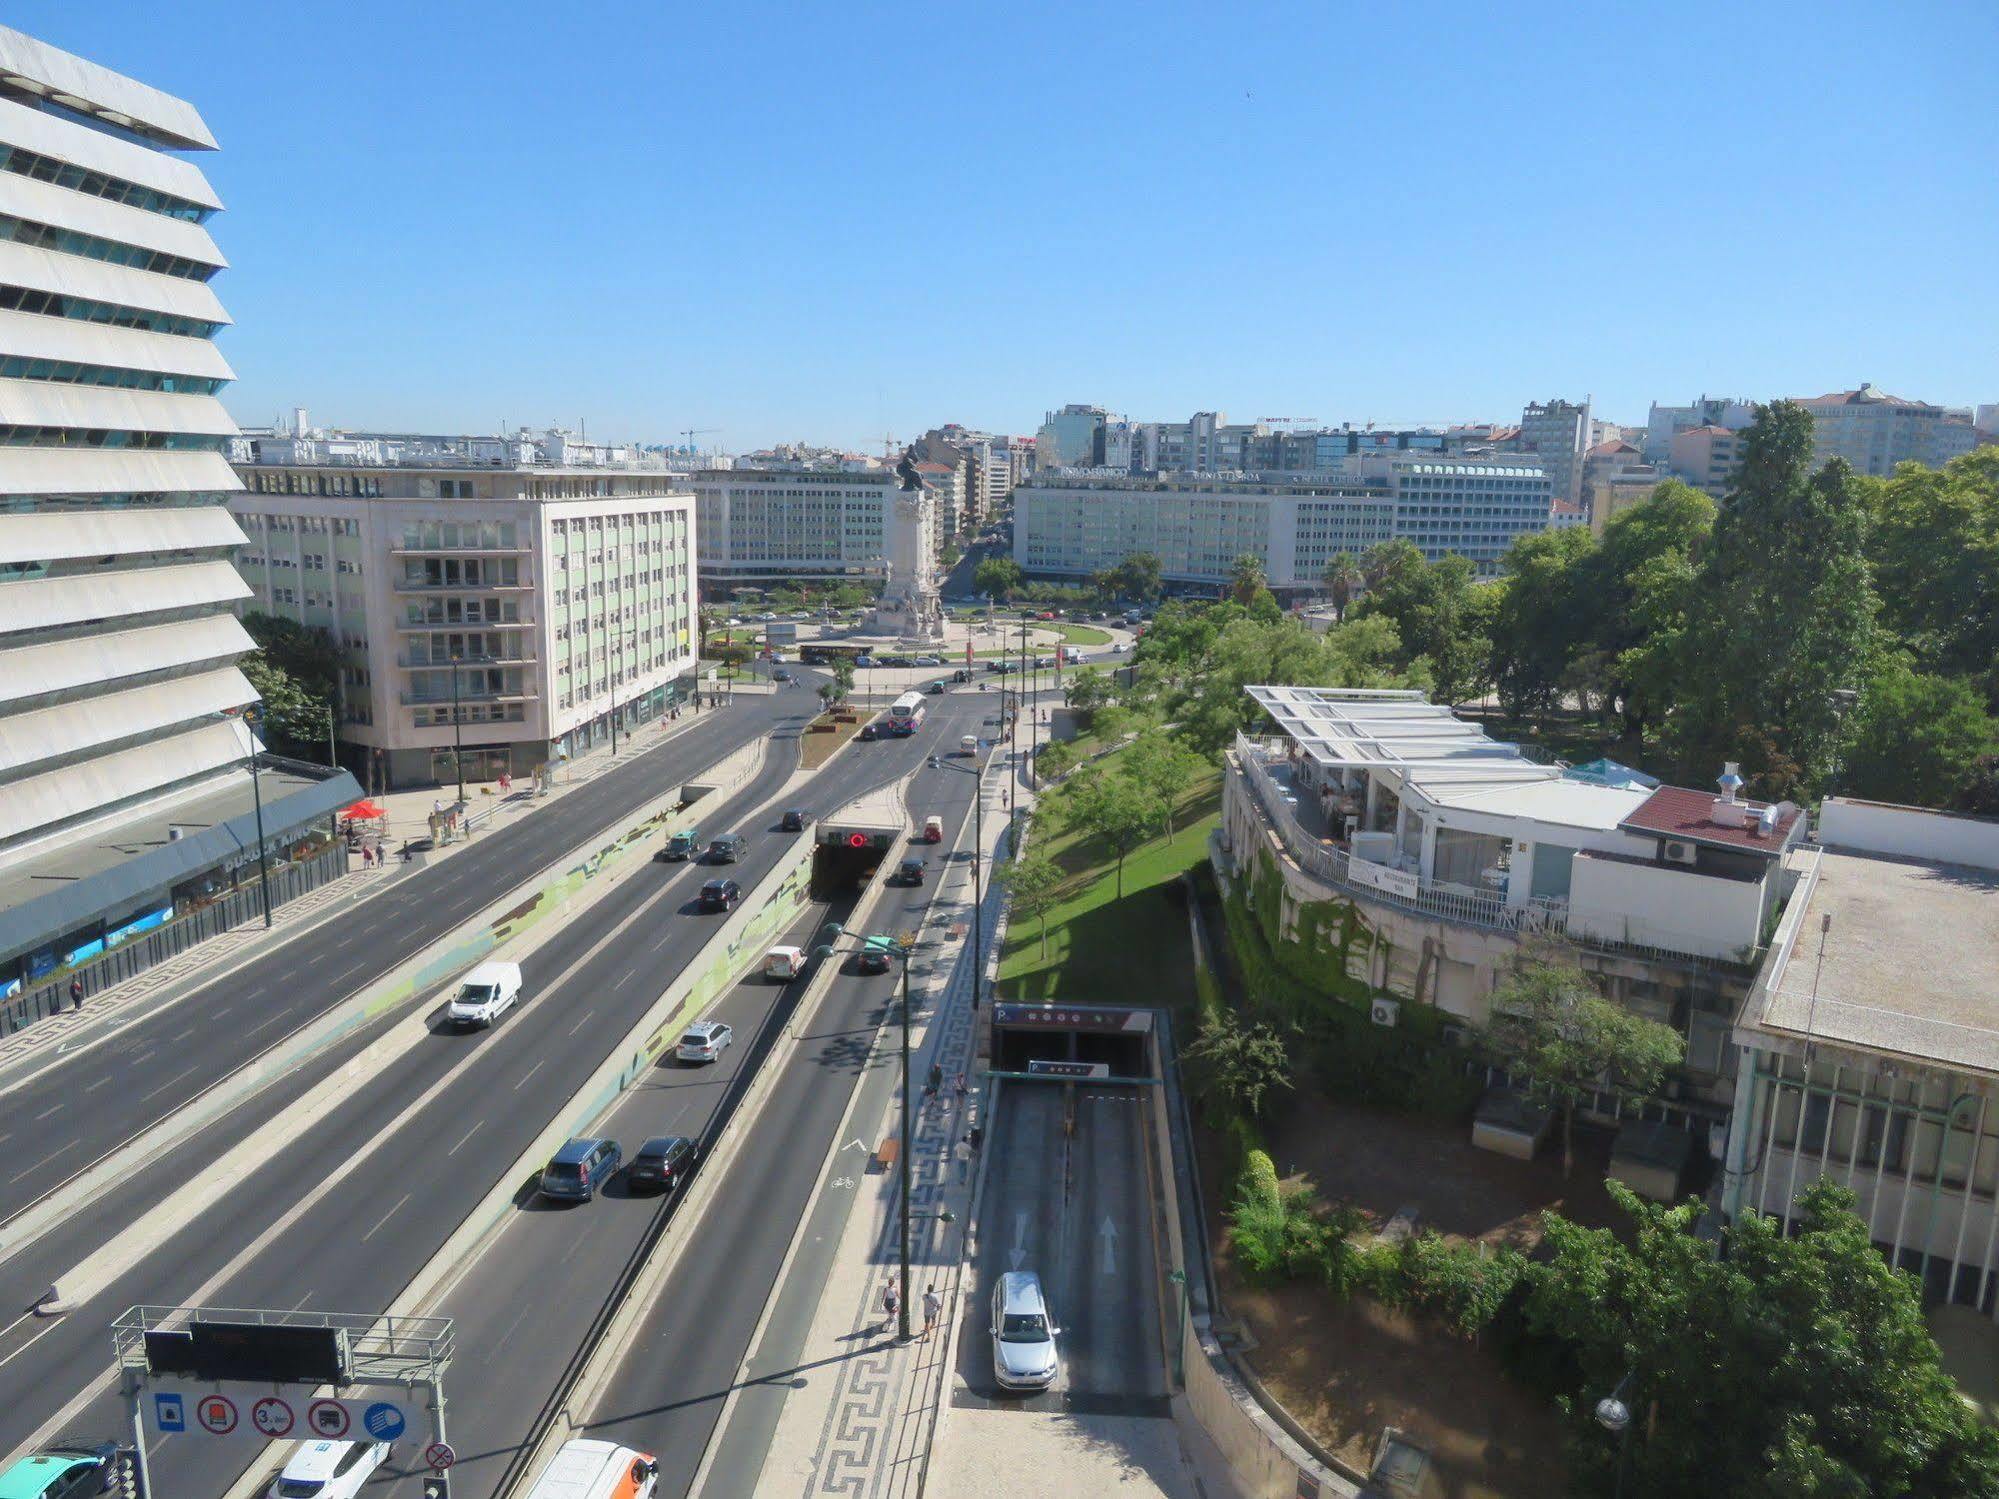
x=1083 y=634
x=1132 y=950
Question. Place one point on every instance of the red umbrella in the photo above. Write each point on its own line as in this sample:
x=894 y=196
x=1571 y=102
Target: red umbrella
x=365 y=810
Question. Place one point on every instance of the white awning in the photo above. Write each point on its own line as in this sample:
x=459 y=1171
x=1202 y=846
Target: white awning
x=54 y=666
x=42 y=471
x=74 y=790
x=101 y=281
x=48 y=602
x=29 y=335
x=65 y=729
x=65 y=208
x=59 y=535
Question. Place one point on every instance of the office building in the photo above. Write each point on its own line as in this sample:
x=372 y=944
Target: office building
x=1663 y=423
x=481 y=594
x=1705 y=457
x=1558 y=433
x=1867 y=1050
x=126 y=800
x=1075 y=437
x=1874 y=431
x=773 y=525
x=1075 y=524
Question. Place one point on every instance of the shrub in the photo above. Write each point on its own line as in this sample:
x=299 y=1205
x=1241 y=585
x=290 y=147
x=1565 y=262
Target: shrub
x=1259 y=1178
x=1462 y=1285
x=1278 y=1237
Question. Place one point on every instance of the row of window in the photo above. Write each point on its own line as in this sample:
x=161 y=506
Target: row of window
x=320 y=525
x=431 y=718
x=68 y=372
x=13 y=435
x=84 y=310
x=99 y=184
x=462 y=572
x=94 y=247
x=169 y=499
x=462 y=611
x=266 y=481
x=311 y=561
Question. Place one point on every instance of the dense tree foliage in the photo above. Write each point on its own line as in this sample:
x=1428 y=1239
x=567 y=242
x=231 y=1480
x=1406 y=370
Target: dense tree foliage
x=997 y=577
x=1782 y=1366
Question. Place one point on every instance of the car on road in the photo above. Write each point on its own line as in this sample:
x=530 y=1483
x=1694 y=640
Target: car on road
x=681 y=845
x=962 y=674
x=1118 y=647
x=486 y=993
x=866 y=661
x=909 y=872
x=766 y=617
x=968 y=744
x=729 y=848
x=1023 y=1336
x=328 y=1470
x=933 y=829
x=1044 y=662
x=929 y=661
x=801 y=614
x=720 y=895
x=872 y=960
x=870 y=732
x=661 y=1164
x=793 y=820
x=784 y=963
x=705 y=1041
x=937 y=689
x=587 y=1469
x=780 y=675
x=579 y=1168
x=63 y=1472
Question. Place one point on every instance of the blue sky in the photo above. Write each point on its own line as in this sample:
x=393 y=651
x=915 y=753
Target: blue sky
x=830 y=222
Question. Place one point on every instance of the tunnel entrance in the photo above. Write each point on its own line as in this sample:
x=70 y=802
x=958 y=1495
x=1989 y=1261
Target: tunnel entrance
x=845 y=858
x=1065 y=1043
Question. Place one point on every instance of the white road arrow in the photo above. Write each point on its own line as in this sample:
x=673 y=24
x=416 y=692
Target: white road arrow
x=1108 y=1234
x=854 y=1145
x=1019 y=1250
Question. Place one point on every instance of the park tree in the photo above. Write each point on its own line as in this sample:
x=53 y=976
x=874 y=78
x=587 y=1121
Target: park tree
x=1342 y=580
x=1247 y=579
x=1113 y=806
x=307 y=654
x=843 y=678
x=1933 y=539
x=1242 y=1063
x=1784 y=616
x=1030 y=886
x=1782 y=1365
x=295 y=722
x=1165 y=768
x=1542 y=619
x=1552 y=1029
x=1918 y=739
x=1637 y=586
x=1140 y=576
x=1442 y=615
x=999 y=577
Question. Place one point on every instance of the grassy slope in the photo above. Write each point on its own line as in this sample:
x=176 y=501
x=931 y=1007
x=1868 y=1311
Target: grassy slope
x=1133 y=950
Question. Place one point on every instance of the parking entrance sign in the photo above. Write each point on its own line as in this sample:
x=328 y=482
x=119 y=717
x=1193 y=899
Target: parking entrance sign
x=169 y=1413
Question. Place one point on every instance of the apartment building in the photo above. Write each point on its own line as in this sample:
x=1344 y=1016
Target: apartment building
x=1558 y=433
x=1705 y=457
x=519 y=609
x=1663 y=423
x=1874 y=431
x=1075 y=524
x=1616 y=477
x=126 y=793
x=779 y=524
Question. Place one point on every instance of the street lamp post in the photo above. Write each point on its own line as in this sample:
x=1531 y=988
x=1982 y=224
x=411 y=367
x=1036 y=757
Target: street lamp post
x=1614 y=1416
x=457 y=730
x=977 y=772
x=617 y=667
x=254 y=718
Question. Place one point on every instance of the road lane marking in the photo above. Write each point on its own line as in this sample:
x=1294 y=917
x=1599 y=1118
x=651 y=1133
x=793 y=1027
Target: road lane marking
x=384 y=1219
x=528 y=1074
x=170 y=1082
x=468 y=1135
x=266 y=1025
x=582 y=1022
x=143 y=1055
x=181 y=1035
x=45 y=1113
x=42 y=1162
x=357 y=968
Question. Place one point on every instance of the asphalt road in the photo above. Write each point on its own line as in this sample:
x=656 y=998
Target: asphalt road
x=59 y=1122
x=1078 y=1213
x=669 y=1394
x=469 y=1104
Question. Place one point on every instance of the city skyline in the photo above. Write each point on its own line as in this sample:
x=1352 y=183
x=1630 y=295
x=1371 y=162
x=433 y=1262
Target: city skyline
x=1546 y=224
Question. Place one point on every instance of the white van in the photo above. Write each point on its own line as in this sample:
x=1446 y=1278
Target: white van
x=486 y=993
x=784 y=963
x=585 y=1469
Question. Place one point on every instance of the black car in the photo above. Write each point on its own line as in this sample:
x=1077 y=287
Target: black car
x=793 y=820
x=721 y=895
x=936 y=689
x=909 y=872
x=728 y=849
x=869 y=732
x=661 y=1165
x=780 y=675
x=871 y=960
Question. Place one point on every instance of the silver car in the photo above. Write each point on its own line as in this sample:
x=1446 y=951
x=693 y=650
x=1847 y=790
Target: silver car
x=1023 y=1337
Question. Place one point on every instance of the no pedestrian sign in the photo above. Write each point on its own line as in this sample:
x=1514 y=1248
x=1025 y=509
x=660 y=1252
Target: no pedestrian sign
x=440 y=1456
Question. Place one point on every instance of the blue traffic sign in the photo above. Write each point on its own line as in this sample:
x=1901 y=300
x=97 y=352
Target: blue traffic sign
x=384 y=1422
x=169 y=1414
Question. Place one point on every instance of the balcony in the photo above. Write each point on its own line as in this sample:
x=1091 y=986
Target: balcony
x=410 y=662
x=407 y=585
x=411 y=699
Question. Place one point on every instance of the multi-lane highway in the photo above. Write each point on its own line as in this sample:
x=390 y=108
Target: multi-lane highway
x=346 y=1216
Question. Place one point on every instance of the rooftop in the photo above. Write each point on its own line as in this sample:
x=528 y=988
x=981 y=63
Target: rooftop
x=1908 y=959
x=1866 y=395
x=1703 y=817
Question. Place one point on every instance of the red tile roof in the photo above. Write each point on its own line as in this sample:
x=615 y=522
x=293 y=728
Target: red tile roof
x=1680 y=812
x=1867 y=395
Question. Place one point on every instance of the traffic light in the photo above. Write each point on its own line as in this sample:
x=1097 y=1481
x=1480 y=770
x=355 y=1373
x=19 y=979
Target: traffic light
x=437 y=1486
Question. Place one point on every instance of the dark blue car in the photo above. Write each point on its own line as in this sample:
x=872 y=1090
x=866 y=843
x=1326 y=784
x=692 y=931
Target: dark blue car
x=576 y=1171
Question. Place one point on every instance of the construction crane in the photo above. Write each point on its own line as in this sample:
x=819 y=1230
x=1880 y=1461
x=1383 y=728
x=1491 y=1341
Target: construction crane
x=690 y=433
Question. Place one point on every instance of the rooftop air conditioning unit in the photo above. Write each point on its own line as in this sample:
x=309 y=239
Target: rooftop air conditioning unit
x=1679 y=851
x=1384 y=1012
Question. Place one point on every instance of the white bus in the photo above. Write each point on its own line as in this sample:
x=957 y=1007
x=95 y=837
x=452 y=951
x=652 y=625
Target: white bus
x=905 y=715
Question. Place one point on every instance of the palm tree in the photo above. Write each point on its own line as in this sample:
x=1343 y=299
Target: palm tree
x=1246 y=578
x=1341 y=577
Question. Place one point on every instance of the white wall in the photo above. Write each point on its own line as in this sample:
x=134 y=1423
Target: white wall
x=1909 y=832
x=1663 y=906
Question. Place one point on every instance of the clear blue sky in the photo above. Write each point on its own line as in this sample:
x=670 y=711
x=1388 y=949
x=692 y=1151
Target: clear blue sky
x=826 y=221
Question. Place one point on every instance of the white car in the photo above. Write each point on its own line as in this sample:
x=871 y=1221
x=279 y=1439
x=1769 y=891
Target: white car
x=1023 y=1337
x=1117 y=648
x=328 y=1470
x=488 y=992
x=705 y=1041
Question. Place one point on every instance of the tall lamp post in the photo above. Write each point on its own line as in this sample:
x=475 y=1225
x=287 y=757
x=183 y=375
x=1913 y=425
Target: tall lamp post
x=1614 y=1416
x=254 y=717
x=617 y=669
x=457 y=730
x=977 y=772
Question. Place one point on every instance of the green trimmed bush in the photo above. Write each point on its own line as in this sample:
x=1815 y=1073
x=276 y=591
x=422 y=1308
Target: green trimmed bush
x=1259 y=1178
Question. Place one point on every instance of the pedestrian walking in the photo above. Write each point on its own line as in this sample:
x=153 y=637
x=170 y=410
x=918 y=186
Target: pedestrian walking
x=933 y=1308
x=959 y=1086
x=963 y=1151
x=936 y=1076
x=974 y=1135
x=891 y=1304
x=76 y=993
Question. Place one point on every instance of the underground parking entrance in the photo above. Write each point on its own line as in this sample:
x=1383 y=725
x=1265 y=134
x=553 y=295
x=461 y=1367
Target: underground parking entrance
x=1058 y=1043
x=845 y=857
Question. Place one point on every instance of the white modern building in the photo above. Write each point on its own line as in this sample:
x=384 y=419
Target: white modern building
x=1869 y=1044
x=1073 y=524
x=516 y=608
x=1080 y=436
x=125 y=796
x=1663 y=423
x=760 y=526
x=1874 y=431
